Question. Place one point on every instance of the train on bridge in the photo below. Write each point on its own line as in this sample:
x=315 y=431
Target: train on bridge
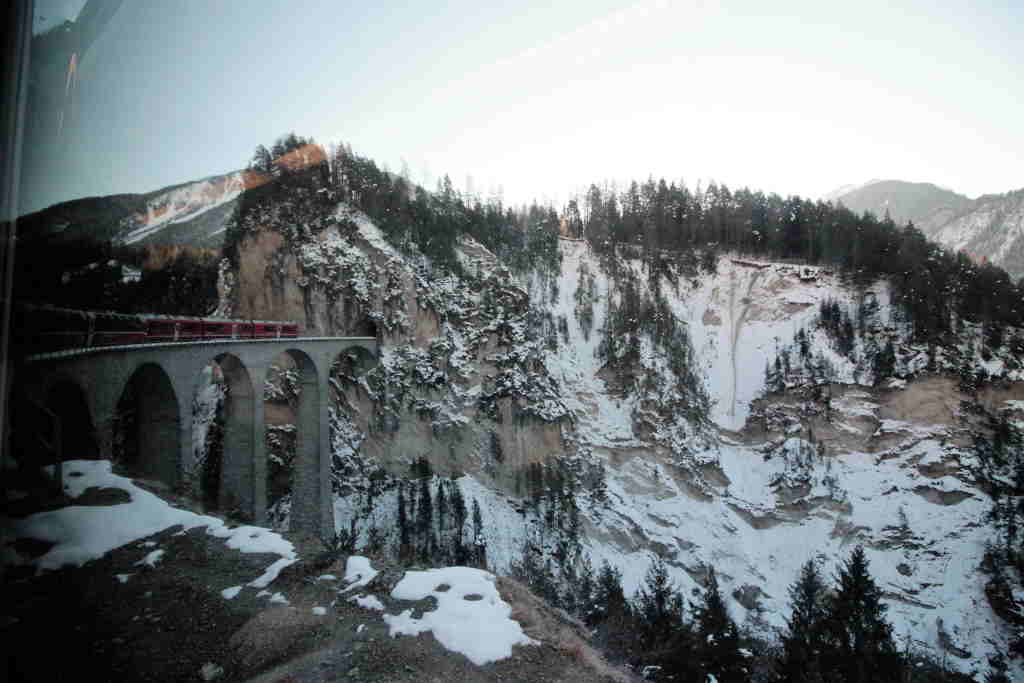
x=39 y=329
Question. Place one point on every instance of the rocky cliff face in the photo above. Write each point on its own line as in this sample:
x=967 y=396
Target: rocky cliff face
x=810 y=445
x=459 y=380
x=817 y=448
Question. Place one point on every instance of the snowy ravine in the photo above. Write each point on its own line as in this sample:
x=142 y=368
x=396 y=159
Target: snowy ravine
x=773 y=502
x=754 y=500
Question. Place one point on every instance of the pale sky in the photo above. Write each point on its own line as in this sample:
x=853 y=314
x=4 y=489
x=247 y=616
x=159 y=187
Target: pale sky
x=788 y=97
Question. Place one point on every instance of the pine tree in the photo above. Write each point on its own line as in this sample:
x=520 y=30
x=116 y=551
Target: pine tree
x=425 y=519
x=441 y=508
x=458 y=505
x=885 y=362
x=660 y=607
x=580 y=591
x=805 y=639
x=717 y=639
x=861 y=647
x=609 y=598
x=403 y=524
x=479 y=539
x=261 y=160
x=612 y=616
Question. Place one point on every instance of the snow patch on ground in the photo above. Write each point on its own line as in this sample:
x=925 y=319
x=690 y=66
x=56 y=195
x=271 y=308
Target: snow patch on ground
x=358 y=572
x=151 y=559
x=82 y=533
x=230 y=593
x=272 y=571
x=368 y=602
x=471 y=618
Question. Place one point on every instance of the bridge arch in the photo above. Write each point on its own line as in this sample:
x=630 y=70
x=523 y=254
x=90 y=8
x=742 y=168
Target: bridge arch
x=350 y=419
x=235 y=488
x=311 y=466
x=67 y=400
x=353 y=361
x=51 y=416
x=149 y=425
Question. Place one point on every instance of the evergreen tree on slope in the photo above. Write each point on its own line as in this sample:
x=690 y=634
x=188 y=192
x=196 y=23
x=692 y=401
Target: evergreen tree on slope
x=860 y=643
x=717 y=640
x=660 y=608
x=804 y=642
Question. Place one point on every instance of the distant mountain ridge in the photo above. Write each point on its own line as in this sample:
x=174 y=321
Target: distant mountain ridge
x=989 y=229
x=846 y=189
x=193 y=213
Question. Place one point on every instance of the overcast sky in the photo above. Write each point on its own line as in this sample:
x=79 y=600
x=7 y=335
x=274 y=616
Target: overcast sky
x=789 y=97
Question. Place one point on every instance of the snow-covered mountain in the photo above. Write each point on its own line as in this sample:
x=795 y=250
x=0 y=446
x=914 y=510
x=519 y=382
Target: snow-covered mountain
x=844 y=190
x=591 y=408
x=991 y=230
x=807 y=450
x=193 y=213
x=925 y=204
x=988 y=229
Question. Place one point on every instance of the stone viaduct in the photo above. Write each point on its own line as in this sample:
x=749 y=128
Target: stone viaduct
x=162 y=379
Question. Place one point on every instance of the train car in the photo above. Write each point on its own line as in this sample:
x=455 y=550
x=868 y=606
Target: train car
x=189 y=329
x=40 y=329
x=113 y=329
x=219 y=329
x=266 y=330
x=159 y=330
x=244 y=329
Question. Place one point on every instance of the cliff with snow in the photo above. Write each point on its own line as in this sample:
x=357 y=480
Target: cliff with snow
x=736 y=431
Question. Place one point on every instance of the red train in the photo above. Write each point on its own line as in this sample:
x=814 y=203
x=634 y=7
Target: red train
x=38 y=329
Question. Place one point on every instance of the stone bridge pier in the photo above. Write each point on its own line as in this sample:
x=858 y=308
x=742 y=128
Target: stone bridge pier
x=159 y=383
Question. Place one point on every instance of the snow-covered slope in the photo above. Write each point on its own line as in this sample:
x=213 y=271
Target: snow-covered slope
x=786 y=477
x=738 y=321
x=181 y=205
x=993 y=231
x=492 y=376
x=193 y=213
